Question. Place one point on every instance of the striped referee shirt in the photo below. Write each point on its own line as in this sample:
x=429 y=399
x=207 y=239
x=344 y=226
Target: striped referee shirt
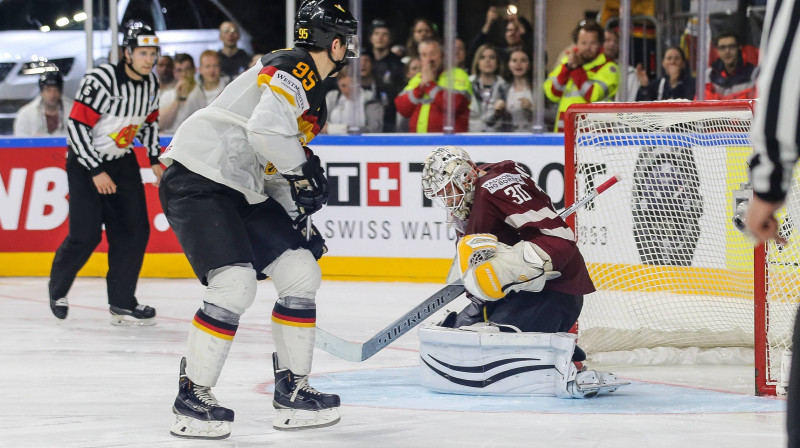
x=776 y=124
x=111 y=110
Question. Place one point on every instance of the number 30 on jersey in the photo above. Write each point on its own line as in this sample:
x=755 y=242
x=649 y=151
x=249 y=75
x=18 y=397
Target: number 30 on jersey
x=517 y=193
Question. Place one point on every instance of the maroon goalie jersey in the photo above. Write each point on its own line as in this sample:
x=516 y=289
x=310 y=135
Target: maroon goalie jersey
x=509 y=205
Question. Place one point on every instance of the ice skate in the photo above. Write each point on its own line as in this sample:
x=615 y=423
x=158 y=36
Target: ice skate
x=59 y=307
x=198 y=415
x=300 y=406
x=142 y=315
x=591 y=383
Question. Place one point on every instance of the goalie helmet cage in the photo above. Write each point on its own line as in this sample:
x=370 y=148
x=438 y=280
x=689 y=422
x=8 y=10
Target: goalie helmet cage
x=670 y=268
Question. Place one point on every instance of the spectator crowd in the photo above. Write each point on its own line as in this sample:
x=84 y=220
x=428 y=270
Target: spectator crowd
x=405 y=88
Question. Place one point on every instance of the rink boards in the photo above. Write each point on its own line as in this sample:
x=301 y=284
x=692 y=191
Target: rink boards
x=378 y=225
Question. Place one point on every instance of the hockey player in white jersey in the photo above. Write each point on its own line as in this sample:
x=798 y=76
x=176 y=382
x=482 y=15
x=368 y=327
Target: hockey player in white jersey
x=239 y=184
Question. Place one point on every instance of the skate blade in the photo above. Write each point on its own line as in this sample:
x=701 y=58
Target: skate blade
x=611 y=386
x=121 y=320
x=192 y=428
x=294 y=419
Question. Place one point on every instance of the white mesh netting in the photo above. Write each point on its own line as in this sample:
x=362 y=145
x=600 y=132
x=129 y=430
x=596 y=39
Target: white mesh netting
x=670 y=268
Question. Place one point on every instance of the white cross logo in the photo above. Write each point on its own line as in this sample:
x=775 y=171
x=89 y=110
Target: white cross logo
x=383 y=183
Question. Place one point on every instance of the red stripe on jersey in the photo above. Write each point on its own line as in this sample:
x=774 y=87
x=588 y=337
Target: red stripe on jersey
x=270 y=70
x=152 y=117
x=308 y=126
x=84 y=114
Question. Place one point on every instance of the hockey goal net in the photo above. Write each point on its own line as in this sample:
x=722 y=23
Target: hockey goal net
x=671 y=270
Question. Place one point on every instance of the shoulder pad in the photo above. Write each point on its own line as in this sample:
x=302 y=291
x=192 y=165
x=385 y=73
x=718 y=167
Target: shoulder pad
x=286 y=60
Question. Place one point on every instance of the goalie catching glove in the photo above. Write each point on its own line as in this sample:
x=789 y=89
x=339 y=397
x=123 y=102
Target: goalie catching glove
x=491 y=269
x=309 y=190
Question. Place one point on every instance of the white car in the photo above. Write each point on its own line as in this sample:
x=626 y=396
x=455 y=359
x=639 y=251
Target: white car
x=52 y=30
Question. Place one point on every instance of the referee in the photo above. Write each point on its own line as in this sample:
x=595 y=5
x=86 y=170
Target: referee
x=114 y=105
x=775 y=152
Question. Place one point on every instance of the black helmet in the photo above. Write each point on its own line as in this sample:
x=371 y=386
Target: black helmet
x=318 y=23
x=51 y=77
x=137 y=34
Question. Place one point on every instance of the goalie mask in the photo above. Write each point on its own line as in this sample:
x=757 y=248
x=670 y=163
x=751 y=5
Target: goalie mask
x=448 y=179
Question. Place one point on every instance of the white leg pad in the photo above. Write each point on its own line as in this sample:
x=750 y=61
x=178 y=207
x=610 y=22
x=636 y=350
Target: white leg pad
x=485 y=361
x=230 y=292
x=295 y=273
x=232 y=287
x=294 y=341
x=297 y=277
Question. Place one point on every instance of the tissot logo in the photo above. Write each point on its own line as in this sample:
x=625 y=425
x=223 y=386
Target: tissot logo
x=383 y=184
x=344 y=183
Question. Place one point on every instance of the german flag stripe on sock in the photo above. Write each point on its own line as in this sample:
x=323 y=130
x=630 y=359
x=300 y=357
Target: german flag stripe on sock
x=214 y=327
x=294 y=317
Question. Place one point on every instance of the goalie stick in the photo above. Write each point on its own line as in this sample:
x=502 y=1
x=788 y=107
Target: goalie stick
x=355 y=352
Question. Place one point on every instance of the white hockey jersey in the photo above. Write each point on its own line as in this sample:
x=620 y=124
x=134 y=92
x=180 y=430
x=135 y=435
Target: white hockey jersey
x=256 y=128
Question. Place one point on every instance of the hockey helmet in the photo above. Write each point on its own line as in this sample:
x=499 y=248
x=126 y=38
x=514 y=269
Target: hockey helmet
x=51 y=77
x=448 y=179
x=319 y=22
x=138 y=34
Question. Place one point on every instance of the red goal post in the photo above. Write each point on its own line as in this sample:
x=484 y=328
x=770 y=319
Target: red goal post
x=670 y=268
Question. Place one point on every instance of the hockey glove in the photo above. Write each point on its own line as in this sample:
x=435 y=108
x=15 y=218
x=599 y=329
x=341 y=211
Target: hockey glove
x=309 y=190
x=521 y=267
x=315 y=244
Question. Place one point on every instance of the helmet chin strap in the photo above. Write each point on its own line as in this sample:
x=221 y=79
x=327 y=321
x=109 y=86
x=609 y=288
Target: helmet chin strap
x=130 y=65
x=338 y=65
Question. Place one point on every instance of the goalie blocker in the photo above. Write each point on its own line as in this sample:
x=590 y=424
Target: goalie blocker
x=490 y=359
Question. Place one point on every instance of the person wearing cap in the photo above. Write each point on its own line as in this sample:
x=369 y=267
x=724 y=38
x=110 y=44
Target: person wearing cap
x=115 y=104
x=46 y=114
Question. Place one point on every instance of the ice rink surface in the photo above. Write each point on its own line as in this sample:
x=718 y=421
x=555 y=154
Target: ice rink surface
x=85 y=383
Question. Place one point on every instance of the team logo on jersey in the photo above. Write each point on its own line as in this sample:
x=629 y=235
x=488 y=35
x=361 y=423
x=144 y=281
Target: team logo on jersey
x=270 y=169
x=125 y=136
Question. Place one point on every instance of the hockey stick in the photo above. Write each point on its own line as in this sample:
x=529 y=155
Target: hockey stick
x=353 y=351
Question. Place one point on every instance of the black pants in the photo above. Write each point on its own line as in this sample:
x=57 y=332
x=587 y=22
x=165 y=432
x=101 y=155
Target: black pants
x=543 y=312
x=124 y=214
x=216 y=226
x=793 y=395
